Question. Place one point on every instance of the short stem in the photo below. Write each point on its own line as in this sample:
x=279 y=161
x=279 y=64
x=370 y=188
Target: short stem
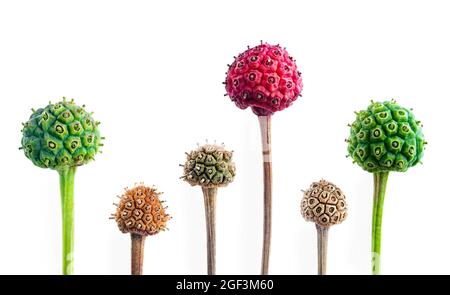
x=210 y=195
x=322 y=245
x=137 y=254
x=380 y=182
x=264 y=123
x=66 y=184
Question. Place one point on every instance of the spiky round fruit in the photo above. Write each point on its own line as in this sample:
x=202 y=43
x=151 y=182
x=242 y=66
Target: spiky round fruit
x=60 y=135
x=324 y=203
x=265 y=78
x=209 y=166
x=140 y=211
x=386 y=137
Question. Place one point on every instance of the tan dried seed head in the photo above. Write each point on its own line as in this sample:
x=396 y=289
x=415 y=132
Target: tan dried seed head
x=324 y=203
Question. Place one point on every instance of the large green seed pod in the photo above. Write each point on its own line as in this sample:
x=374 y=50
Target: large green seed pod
x=386 y=137
x=60 y=135
x=209 y=166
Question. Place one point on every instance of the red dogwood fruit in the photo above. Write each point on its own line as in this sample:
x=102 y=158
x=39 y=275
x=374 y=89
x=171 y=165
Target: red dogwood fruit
x=265 y=78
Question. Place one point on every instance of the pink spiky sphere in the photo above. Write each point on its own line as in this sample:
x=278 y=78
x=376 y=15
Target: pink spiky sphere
x=264 y=78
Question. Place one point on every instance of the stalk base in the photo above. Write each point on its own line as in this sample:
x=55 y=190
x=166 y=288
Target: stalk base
x=322 y=246
x=66 y=184
x=379 y=192
x=265 y=126
x=209 y=195
x=137 y=254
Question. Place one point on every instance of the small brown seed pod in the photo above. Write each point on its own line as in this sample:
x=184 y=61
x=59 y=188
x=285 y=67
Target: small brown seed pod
x=141 y=213
x=324 y=204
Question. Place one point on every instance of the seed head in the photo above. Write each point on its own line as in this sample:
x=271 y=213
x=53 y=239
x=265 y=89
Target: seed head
x=386 y=137
x=61 y=135
x=210 y=165
x=324 y=203
x=264 y=78
x=140 y=211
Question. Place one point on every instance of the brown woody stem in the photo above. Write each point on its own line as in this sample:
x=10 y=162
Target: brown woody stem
x=264 y=124
x=322 y=244
x=210 y=195
x=137 y=254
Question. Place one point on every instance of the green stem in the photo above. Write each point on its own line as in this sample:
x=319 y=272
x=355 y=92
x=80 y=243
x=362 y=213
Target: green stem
x=380 y=183
x=66 y=184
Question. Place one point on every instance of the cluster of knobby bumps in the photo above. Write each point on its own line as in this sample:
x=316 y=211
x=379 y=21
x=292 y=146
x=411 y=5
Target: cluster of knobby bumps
x=324 y=204
x=140 y=211
x=265 y=78
x=386 y=137
x=209 y=166
x=60 y=135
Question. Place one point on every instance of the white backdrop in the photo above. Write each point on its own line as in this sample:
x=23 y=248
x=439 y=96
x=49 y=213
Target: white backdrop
x=152 y=72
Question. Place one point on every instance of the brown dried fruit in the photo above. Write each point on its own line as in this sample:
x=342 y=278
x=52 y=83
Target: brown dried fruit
x=324 y=203
x=140 y=211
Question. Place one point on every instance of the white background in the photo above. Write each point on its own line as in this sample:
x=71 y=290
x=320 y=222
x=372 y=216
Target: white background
x=152 y=71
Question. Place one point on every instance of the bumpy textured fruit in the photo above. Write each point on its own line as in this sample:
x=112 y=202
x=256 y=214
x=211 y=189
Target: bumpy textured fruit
x=265 y=78
x=324 y=203
x=140 y=211
x=386 y=137
x=209 y=166
x=61 y=135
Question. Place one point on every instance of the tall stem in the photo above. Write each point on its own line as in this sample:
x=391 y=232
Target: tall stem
x=210 y=195
x=322 y=245
x=264 y=124
x=380 y=183
x=66 y=184
x=137 y=254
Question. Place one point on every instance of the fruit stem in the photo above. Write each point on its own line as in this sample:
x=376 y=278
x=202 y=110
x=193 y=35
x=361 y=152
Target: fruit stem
x=66 y=184
x=322 y=245
x=209 y=195
x=137 y=254
x=380 y=183
x=264 y=124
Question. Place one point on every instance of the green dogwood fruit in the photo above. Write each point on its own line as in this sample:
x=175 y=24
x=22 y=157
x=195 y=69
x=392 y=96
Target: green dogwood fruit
x=385 y=137
x=62 y=136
